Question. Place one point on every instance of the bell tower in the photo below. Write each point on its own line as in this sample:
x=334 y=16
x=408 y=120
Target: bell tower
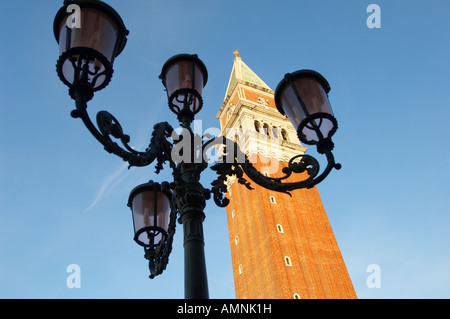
x=282 y=246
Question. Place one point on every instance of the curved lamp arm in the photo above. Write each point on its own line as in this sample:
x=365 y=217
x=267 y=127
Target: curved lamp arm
x=234 y=163
x=108 y=126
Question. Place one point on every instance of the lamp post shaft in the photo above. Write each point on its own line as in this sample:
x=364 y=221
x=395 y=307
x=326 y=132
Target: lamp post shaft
x=191 y=204
x=195 y=276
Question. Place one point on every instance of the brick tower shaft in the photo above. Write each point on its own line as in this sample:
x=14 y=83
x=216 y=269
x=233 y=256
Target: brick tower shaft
x=282 y=246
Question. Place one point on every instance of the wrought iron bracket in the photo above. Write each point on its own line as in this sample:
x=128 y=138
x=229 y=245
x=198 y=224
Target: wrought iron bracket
x=234 y=163
x=188 y=195
x=108 y=127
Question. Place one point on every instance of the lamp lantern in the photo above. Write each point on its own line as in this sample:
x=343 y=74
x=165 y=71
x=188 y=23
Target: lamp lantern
x=184 y=76
x=150 y=206
x=89 y=46
x=303 y=97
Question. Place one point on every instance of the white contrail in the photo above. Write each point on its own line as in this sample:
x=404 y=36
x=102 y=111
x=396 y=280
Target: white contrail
x=107 y=183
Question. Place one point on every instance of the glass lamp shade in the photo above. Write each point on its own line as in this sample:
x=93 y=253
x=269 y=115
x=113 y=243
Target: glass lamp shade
x=88 y=43
x=151 y=209
x=302 y=97
x=184 y=76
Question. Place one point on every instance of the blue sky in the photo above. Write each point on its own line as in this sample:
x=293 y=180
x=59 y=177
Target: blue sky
x=63 y=198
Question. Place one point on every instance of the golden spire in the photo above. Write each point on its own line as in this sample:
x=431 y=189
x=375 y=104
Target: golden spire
x=236 y=53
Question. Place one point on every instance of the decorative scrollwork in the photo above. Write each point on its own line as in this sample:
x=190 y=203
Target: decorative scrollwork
x=298 y=164
x=185 y=99
x=86 y=72
x=226 y=167
x=160 y=148
x=158 y=257
x=235 y=163
x=225 y=170
x=108 y=126
x=82 y=68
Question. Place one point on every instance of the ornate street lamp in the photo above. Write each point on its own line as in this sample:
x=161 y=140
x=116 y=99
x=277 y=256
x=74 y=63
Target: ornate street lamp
x=150 y=205
x=302 y=96
x=87 y=51
x=85 y=65
x=184 y=76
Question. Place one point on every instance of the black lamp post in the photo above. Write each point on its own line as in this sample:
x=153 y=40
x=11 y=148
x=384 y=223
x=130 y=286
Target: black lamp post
x=85 y=65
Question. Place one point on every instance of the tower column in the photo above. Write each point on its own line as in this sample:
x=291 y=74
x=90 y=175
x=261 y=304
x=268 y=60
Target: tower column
x=281 y=246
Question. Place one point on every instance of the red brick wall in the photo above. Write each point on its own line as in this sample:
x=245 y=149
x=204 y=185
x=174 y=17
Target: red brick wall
x=317 y=268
